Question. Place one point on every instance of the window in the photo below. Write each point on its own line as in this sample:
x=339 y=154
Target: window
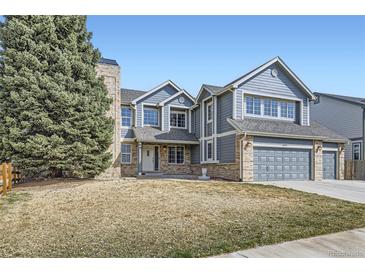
x=126 y=117
x=176 y=155
x=150 y=117
x=178 y=119
x=253 y=105
x=210 y=112
x=267 y=107
x=126 y=153
x=356 y=149
x=287 y=110
x=210 y=150
x=274 y=108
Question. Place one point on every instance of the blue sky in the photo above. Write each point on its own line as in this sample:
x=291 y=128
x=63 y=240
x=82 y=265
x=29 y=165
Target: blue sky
x=326 y=52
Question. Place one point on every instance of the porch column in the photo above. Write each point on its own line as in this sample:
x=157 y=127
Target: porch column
x=139 y=158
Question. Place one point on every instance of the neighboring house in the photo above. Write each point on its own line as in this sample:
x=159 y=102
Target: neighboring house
x=346 y=116
x=255 y=128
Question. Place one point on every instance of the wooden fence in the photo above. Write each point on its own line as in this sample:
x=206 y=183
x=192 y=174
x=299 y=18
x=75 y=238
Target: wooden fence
x=354 y=170
x=8 y=176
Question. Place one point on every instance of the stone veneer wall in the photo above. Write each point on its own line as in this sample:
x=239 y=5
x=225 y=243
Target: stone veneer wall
x=341 y=162
x=247 y=159
x=318 y=161
x=129 y=170
x=111 y=75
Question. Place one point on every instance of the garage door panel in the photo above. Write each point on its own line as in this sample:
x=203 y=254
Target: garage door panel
x=282 y=164
x=329 y=164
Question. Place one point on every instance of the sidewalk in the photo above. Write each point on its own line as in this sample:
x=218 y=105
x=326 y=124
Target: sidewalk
x=348 y=244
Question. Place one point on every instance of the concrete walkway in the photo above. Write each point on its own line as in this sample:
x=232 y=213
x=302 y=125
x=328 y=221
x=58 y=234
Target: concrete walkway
x=348 y=244
x=353 y=191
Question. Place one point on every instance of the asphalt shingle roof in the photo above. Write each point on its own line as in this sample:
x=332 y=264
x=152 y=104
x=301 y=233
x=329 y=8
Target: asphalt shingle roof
x=128 y=95
x=276 y=127
x=154 y=135
x=213 y=89
x=108 y=61
x=350 y=99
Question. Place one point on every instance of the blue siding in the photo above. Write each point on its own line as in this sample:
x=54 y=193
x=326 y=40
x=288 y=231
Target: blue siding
x=187 y=102
x=205 y=94
x=139 y=108
x=196 y=122
x=272 y=140
x=239 y=103
x=160 y=95
x=195 y=154
x=224 y=109
x=271 y=86
x=226 y=149
x=166 y=117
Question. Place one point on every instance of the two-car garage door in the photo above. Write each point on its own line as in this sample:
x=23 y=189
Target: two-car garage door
x=270 y=164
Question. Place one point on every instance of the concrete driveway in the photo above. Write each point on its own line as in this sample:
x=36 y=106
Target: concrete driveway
x=353 y=191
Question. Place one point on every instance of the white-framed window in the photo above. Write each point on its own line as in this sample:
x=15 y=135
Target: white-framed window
x=210 y=112
x=126 y=153
x=176 y=154
x=210 y=150
x=150 y=116
x=356 y=151
x=126 y=117
x=178 y=119
x=253 y=105
x=275 y=108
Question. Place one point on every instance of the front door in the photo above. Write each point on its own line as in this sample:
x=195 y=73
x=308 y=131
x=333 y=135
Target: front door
x=148 y=158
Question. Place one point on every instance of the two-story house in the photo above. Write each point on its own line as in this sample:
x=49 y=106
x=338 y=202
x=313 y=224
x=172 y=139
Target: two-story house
x=255 y=128
x=344 y=115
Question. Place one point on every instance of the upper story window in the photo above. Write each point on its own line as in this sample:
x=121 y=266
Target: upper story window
x=270 y=107
x=253 y=105
x=178 y=119
x=356 y=148
x=275 y=108
x=210 y=112
x=126 y=117
x=150 y=117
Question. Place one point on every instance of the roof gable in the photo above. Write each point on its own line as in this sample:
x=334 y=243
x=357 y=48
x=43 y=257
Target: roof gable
x=172 y=88
x=280 y=63
x=348 y=99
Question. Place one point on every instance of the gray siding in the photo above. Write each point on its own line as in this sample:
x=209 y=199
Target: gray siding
x=195 y=154
x=196 y=122
x=342 y=117
x=166 y=117
x=209 y=130
x=187 y=102
x=283 y=141
x=226 y=149
x=127 y=133
x=205 y=94
x=139 y=108
x=239 y=103
x=330 y=145
x=160 y=95
x=271 y=86
x=224 y=109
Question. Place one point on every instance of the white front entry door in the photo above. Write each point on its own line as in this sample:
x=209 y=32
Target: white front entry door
x=148 y=158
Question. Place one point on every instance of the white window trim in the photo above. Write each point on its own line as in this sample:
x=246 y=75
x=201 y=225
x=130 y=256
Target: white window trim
x=210 y=104
x=150 y=106
x=175 y=155
x=262 y=108
x=352 y=148
x=177 y=112
x=130 y=118
x=212 y=149
x=130 y=154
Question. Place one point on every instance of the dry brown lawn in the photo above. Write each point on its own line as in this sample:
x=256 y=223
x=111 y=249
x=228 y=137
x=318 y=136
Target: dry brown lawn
x=168 y=218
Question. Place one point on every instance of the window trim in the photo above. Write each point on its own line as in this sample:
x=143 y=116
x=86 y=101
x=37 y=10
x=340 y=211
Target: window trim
x=262 y=107
x=158 y=116
x=209 y=104
x=210 y=142
x=178 y=112
x=168 y=154
x=353 y=145
x=130 y=118
x=130 y=154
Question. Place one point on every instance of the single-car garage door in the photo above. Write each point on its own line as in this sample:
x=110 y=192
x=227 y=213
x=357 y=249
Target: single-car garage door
x=270 y=164
x=329 y=164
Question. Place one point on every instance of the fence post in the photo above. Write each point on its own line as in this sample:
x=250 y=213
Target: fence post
x=4 y=178
x=10 y=176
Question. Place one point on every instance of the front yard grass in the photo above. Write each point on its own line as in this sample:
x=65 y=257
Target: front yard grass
x=155 y=218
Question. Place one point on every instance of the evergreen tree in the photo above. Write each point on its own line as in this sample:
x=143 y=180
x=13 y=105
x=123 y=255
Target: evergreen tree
x=52 y=105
